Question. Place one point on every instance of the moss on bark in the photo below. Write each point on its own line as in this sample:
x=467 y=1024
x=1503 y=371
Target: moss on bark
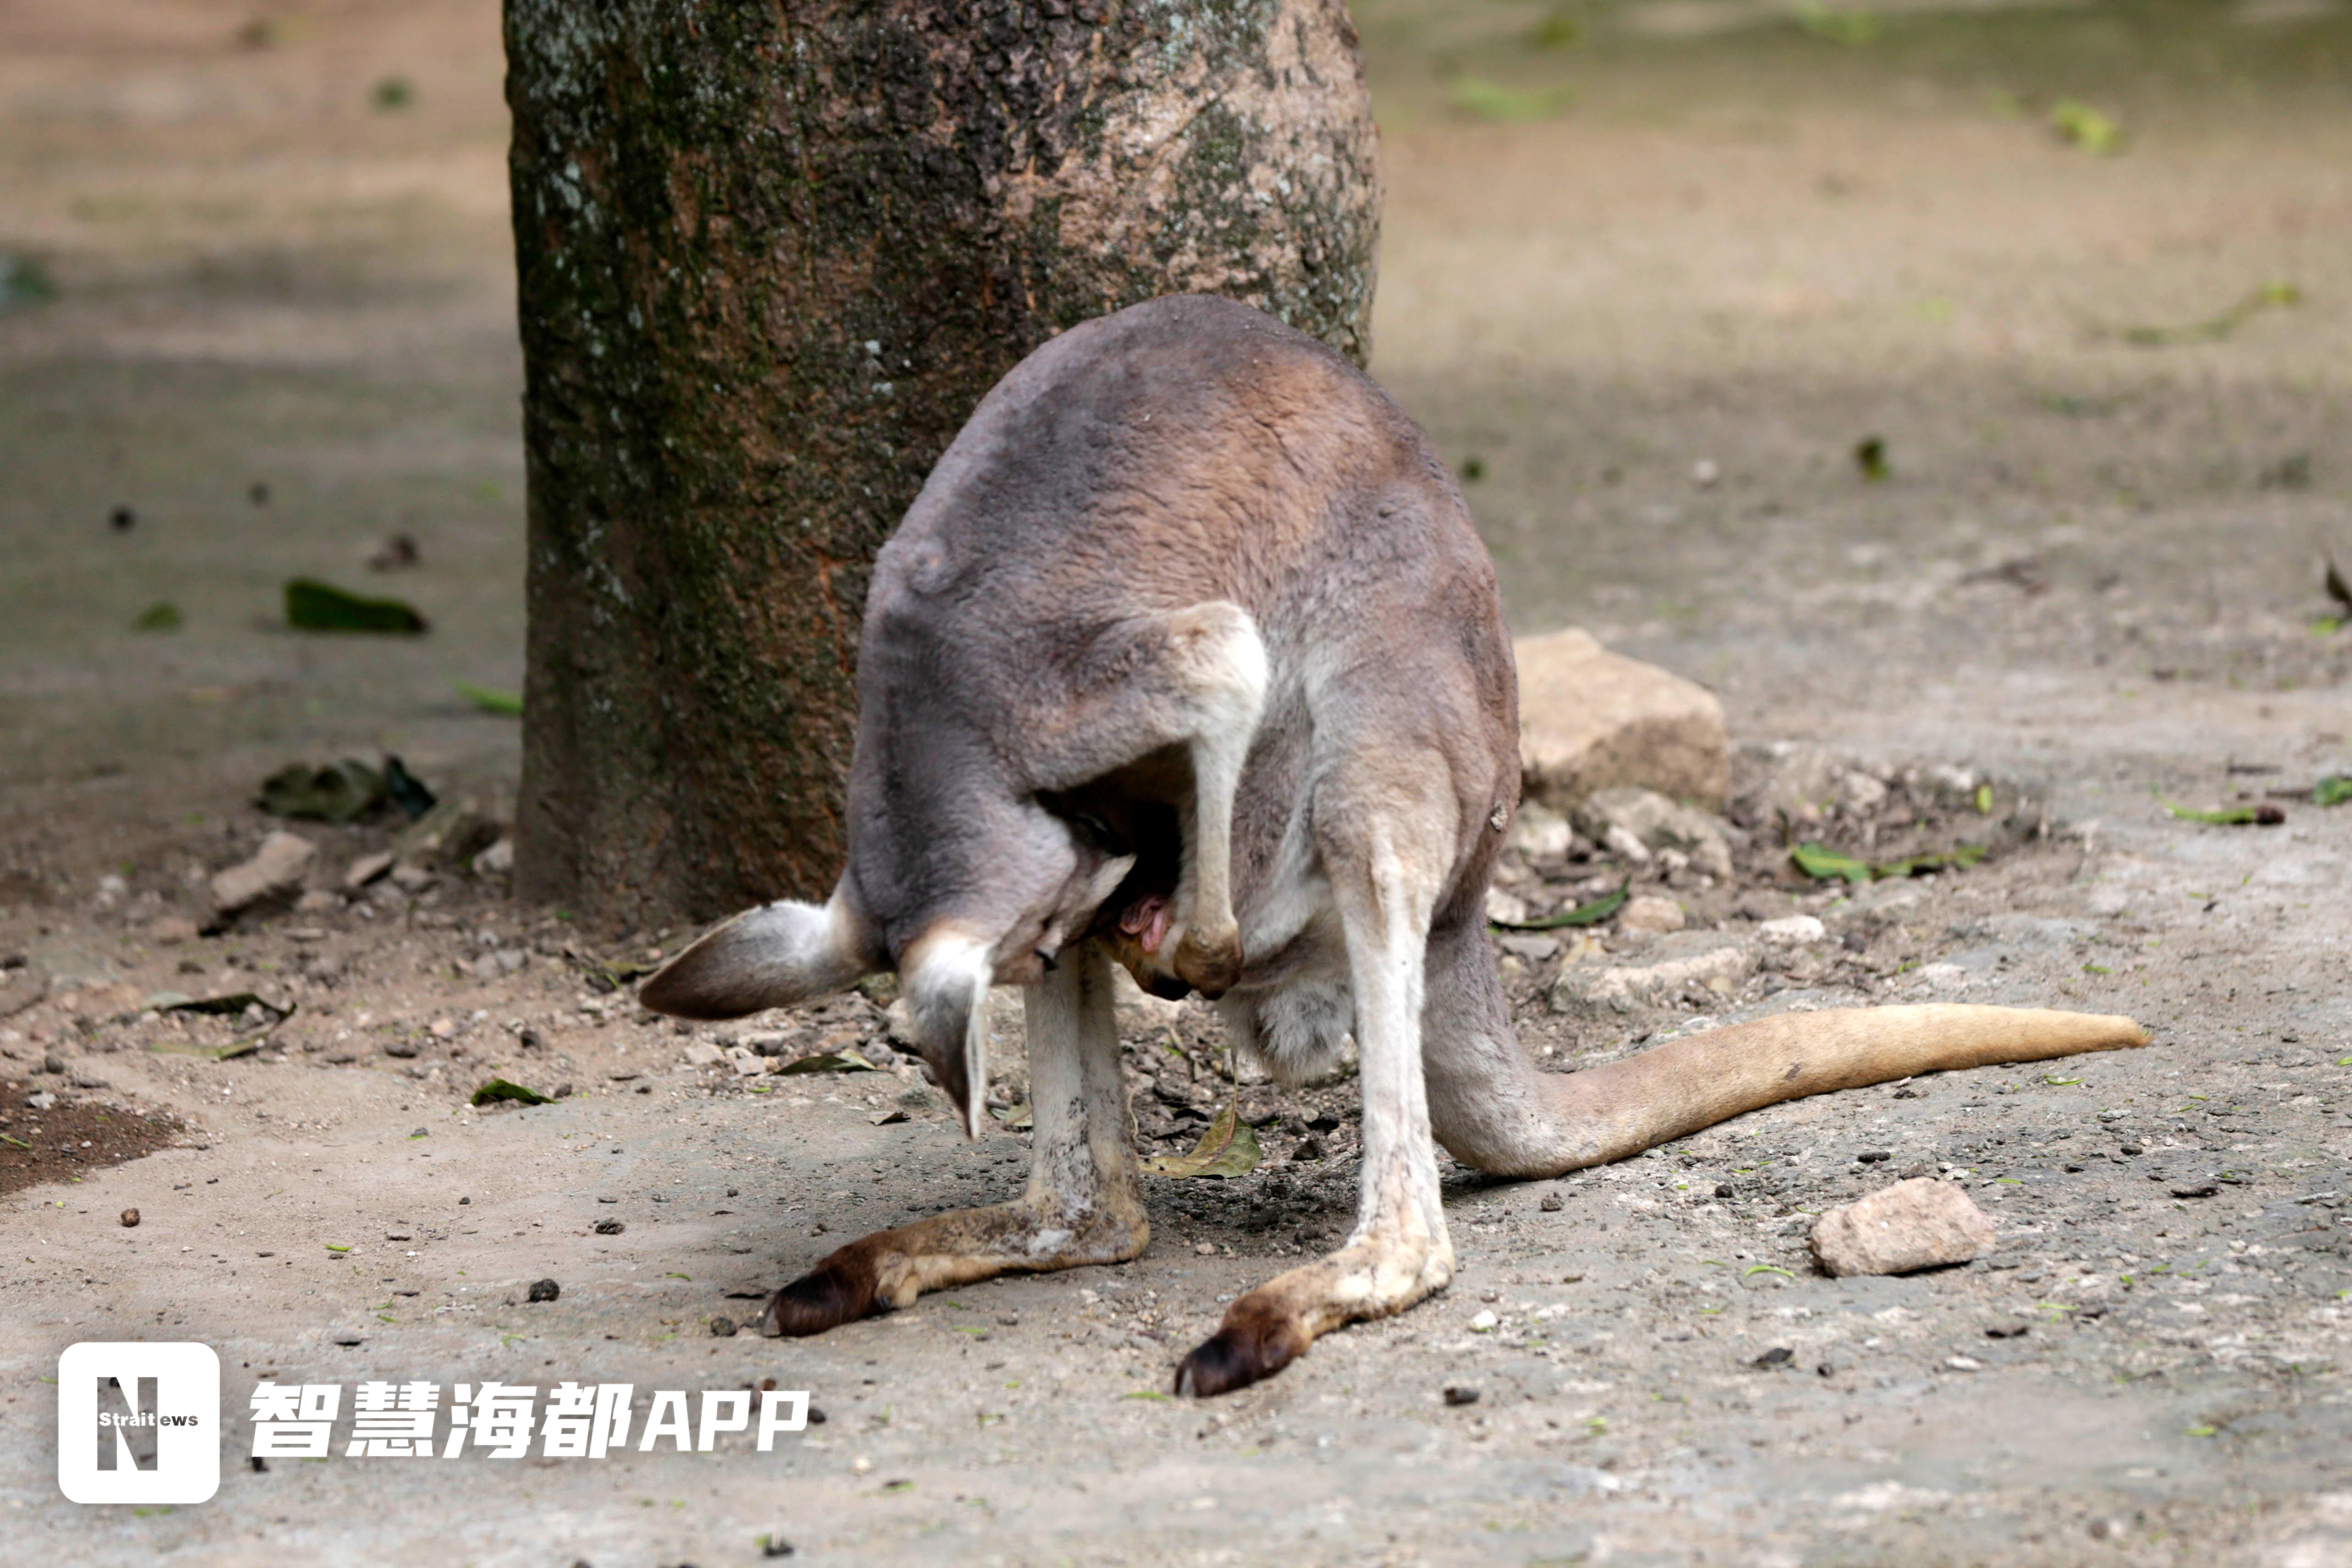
x=770 y=255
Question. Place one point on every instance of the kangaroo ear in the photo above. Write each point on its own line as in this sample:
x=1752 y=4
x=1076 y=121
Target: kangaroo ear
x=770 y=957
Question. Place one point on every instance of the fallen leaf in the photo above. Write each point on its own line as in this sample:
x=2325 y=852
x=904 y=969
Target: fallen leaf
x=1594 y=913
x=1825 y=864
x=2213 y=328
x=1229 y=1148
x=1483 y=99
x=829 y=1061
x=2265 y=815
x=1870 y=459
x=315 y=606
x=2333 y=790
x=160 y=616
x=499 y=1088
x=490 y=699
x=342 y=792
x=2085 y=127
x=1852 y=27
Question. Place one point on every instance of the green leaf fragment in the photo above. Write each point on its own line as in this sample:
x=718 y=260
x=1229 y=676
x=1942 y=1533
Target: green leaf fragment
x=490 y=699
x=1482 y=99
x=2333 y=790
x=315 y=606
x=1594 y=913
x=499 y=1088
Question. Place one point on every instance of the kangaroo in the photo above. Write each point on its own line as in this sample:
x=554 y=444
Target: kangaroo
x=1188 y=658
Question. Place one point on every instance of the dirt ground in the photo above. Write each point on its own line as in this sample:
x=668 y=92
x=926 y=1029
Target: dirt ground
x=1651 y=286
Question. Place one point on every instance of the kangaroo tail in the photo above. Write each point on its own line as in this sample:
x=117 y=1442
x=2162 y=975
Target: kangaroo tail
x=1491 y=1108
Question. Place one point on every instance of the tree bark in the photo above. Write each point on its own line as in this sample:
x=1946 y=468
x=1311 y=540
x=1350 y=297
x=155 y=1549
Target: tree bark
x=770 y=255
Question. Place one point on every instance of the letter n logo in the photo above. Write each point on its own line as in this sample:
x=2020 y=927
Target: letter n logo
x=126 y=1426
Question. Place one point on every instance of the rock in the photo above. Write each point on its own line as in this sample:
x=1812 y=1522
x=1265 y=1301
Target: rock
x=131 y=1219
x=1791 y=931
x=703 y=1054
x=1916 y=1224
x=751 y=1064
x=1710 y=960
x=545 y=1291
x=1549 y=1203
x=1461 y=1394
x=1531 y=945
x=171 y=931
x=497 y=860
x=1540 y=833
x=1506 y=909
x=275 y=872
x=1657 y=825
x=317 y=902
x=1484 y=1322
x=41 y=1102
x=722 y=1328
x=1651 y=914
x=611 y=1226
x=447 y=837
x=1591 y=719
x=366 y=869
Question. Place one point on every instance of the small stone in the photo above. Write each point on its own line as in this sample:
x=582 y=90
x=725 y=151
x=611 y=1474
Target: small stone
x=131 y=1219
x=545 y=1291
x=1539 y=833
x=1665 y=968
x=1459 y=1393
x=317 y=902
x=2106 y=1530
x=497 y=860
x=169 y=931
x=348 y=1340
x=1875 y=1156
x=1705 y=472
x=401 y=1048
x=41 y=1102
x=1591 y=720
x=1651 y=914
x=703 y=1054
x=1791 y=931
x=1548 y=1203
x=408 y=878
x=275 y=872
x=1484 y=1324
x=366 y=869
x=1778 y=1356
x=1963 y=1363
x=1506 y=909
x=1616 y=816
x=2195 y=1190
x=611 y=1226
x=442 y=1028
x=1309 y=1149
x=1205 y=1248
x=52 y=1062
x=722 y=1328
x=887 y=1118
x=1916 y=1224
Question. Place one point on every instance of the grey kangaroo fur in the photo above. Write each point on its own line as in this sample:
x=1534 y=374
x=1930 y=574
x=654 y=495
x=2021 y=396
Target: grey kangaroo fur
x=1188 y=657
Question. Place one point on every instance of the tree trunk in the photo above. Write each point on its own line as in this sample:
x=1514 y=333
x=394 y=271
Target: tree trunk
x=770 y=256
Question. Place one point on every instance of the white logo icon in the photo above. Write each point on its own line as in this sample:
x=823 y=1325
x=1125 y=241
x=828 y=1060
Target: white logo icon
x=138 y=1423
